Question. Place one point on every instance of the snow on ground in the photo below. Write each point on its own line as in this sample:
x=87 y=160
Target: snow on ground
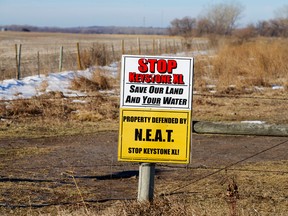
x=276 y=87
x=36 y=85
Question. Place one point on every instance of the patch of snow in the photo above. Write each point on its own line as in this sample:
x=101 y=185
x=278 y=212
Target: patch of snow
x=79 y=101
x=211 y=86
x=253 y=122
x=277 y=87
x=31 y=86
x=112 y=68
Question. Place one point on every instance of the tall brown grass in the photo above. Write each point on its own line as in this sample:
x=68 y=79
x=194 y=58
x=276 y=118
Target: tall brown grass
x=98 y=81
x=262 y=62
x=97 y=54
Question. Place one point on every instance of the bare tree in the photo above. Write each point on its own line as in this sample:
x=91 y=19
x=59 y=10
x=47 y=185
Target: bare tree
x=183 y=27
x=204 y=26
x=273 y=28
x=223 y=17
x=282 y=13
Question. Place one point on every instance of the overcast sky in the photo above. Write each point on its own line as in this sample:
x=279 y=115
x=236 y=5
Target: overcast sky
x=156 y=13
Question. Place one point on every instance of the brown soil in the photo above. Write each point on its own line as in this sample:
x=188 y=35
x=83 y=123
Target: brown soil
x=36 y=172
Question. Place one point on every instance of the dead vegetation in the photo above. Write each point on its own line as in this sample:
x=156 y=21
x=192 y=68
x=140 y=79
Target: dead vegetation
x=241 y=74
x=251 y=189
x=98 y=81
x=234 y=85
x=241 y=67
x=97 y=54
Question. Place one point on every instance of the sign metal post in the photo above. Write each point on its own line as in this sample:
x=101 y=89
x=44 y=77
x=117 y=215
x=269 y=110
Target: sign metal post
x=146 y=182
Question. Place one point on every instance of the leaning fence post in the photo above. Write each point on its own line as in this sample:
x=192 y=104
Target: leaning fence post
x=60 y=58
x=78 y=57
x=16 y=60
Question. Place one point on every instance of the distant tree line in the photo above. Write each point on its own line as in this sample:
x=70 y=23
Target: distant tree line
x=222 y=18
x=90 y=30
x=272 y=28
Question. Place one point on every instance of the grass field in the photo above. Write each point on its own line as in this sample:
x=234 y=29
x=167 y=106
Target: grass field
x=233 y=82
x=40 y=52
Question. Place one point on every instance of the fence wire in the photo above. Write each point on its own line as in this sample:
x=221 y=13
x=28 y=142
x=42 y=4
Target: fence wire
x=44 y=58
x=116 y=171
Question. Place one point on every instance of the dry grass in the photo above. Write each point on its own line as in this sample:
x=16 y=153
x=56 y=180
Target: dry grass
x=22 y=152
x=159 y=206
x=97 y=54
x=54 y=115
x=262 y=190
x=235 y=71
x=262 y=186
x=95 y=49
x=98 y=81
x=261 y=62
x=242 y=107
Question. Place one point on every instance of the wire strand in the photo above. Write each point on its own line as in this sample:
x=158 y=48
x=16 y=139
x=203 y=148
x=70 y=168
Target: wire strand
x=224 y=168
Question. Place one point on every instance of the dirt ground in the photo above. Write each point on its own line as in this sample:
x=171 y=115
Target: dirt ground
x=67 y=170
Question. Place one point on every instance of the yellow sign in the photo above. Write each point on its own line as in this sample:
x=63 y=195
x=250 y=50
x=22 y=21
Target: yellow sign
x=148 y=135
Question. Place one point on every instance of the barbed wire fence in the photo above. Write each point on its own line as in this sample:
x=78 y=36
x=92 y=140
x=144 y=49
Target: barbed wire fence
x=32 y=63
x=27 y=59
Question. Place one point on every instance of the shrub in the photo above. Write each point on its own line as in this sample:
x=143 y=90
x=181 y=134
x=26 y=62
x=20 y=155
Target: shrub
x=96 y=55
x=97 y=82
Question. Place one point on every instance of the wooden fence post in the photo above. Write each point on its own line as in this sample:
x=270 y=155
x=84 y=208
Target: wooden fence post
x=78 y=57
x=122 y=46
x=105 y=54
x=60 y=58
x=113 y=52
x=139 y=46
x=159 y=46
x=38 y=64
x=174 y=46
x=166 y=46
x=154 y=47
x=18 y=61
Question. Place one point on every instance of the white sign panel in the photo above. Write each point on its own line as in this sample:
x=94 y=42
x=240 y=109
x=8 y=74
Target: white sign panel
x=156 y=82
